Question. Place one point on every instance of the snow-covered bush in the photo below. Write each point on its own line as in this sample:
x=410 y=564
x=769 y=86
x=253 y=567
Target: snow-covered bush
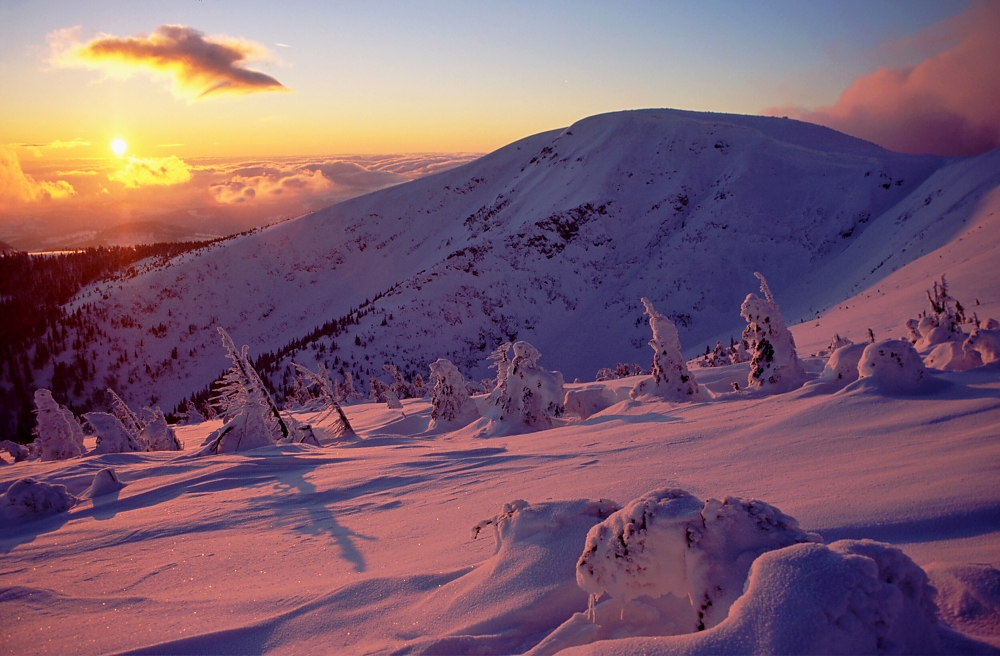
x=58 y=435
x=668 y=542
x=985 y=342
x=527 y=397
x=158 y=435
x=941 y=322
x=27 y=499
x=131 y=421
x=326 y=391
x=377 y=390
x=16 y=451
x=670 y=379
x=252 y=419
x=774 y=364
x=401 y=388
x=722 y=356
x=112 y=436
x=451 y=406
x=952 y=356
x=588 y=400
x=621 y=370
x=105 y=482
x=842 y=366
x=894 y=364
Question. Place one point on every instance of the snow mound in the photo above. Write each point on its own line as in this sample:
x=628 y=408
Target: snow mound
x=669 y=542
x=894 y=365
x=851 y=597
x=105 y=482
x=525 y=590
x=968 y=596
x=952 y=356
x=27 y=499
x=589 y=400
x=157 y=435
x=842 y=367
x=985 y=342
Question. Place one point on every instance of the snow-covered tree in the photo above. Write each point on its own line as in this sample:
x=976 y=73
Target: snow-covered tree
x=401 y=388
x=775 y=365
x=112 y=435
x=132 y=422
x=16 y=451
x=419 y=387
x=27 y=499
x=58 y=435
x=190 y=414
x=985 y=342
x=377 y=390
x=252 y=419
x=940 y=322
x=451 y=406
x=326 y=391
x=671 y=380
x=499 y=359
x=158 y=435
x=527 y=397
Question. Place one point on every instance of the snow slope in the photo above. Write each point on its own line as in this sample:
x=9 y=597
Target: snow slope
x=367 y=547
x=553 y=239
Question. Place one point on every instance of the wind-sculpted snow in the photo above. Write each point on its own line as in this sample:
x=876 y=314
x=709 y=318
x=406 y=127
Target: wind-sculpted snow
x=552 y=239
x=28 y=499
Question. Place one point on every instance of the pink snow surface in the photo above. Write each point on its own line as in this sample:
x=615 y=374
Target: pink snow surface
x=366 y=547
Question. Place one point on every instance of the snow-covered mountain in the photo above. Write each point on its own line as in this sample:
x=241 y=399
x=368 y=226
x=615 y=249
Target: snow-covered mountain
x=552 y=239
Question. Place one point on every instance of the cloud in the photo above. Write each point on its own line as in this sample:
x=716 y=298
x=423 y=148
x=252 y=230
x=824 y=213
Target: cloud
x=270 y=185
x=199 y=65
x=18 y=187
x=948 y=104
x=163 y=171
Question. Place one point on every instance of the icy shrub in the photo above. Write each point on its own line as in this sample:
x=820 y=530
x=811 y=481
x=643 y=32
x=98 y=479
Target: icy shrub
x=105 y=482
x=985 y=342
x=401 y=388
x=941 y=322
x=252 y=419
x=377 y=390
x=527 y=397
x=327 y=392
x=671 y=380
x=58 y=435
x=669 y=542
x=157 y=435
x=843 y=364
x=721 y=355
x=112 y=436
x=894 y=364
x=131 y=422
x=952 y=356
x=27 y=499
x=451 y=406
x=774 y=364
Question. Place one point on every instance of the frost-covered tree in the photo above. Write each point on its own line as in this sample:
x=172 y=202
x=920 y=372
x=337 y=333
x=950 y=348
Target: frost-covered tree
x=377 y=390
x=670 y=379
x=158 y=435
x=451 y=406
x=326 y=391
x=112 y=435
x=499 y=359
x=27 y=499
x=527 y=397
x=252 y=419
x=775 y=365
x=348 y=392
x=132 y=422
x=16 y=451
x=419 y=387
x=940 y=322
x=401 y=388
x=58 y=435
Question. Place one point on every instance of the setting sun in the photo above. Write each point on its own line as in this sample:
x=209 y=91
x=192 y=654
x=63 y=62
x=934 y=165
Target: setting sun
x=119 y=147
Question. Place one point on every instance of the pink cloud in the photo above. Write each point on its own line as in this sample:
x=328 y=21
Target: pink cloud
x=948 y=104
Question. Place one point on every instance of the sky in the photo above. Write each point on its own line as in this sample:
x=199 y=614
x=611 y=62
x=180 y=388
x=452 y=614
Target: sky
x=244 y=84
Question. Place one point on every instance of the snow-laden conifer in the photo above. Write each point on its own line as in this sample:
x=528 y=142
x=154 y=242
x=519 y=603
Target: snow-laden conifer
x=451 y=406
x=327 y=393
x=670 y=379
x=58 y=435
x=775 y=365
x=527 y=397
x=401 y=388
x=131 y=421
x=158 y=435
x=112 y=435
x=252 y=419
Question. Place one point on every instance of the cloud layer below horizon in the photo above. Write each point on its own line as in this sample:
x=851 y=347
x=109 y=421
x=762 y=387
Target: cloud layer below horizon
x=199 y=65
x=948 y=104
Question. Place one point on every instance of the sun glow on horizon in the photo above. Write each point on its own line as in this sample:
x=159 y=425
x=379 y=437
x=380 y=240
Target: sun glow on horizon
x=118 y=146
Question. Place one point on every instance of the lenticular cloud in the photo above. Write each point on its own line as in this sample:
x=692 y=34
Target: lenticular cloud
x=200 y=65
